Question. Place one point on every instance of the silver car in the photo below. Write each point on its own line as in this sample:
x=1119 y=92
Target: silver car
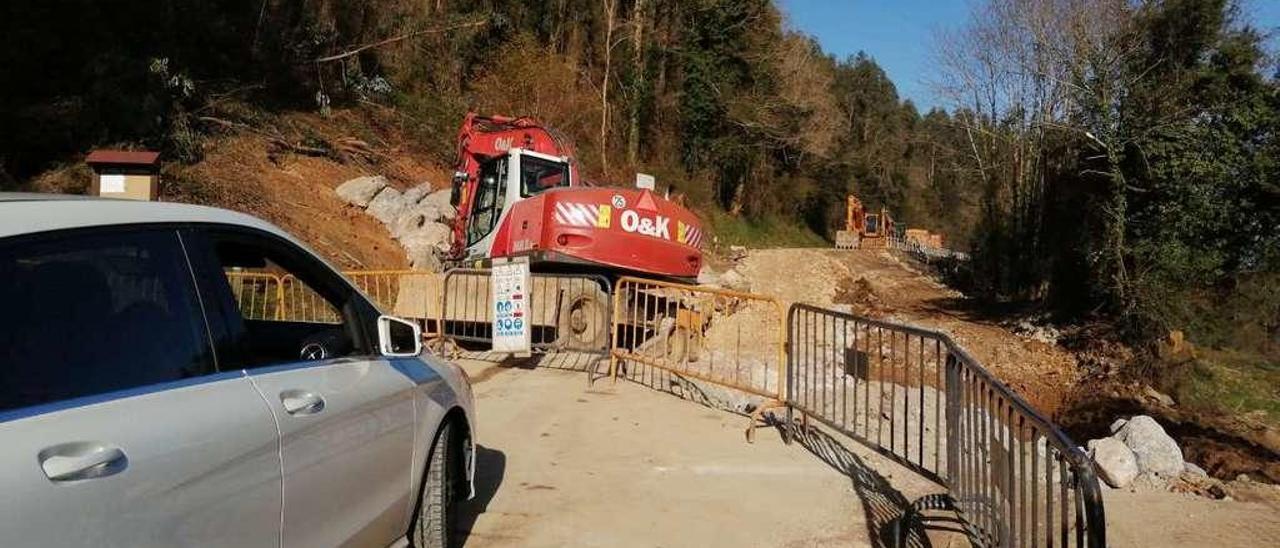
x=152 y=395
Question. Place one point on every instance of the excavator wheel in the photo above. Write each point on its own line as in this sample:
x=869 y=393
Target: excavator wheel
x=583 y=320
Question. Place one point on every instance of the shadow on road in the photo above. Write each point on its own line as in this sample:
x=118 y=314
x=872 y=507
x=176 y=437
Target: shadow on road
x=883 y=505
x=701 y=393
x=491 y=466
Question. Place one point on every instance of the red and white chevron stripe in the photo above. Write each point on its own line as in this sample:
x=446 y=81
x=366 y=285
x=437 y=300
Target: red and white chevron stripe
x=693 y=236
x=573 y=214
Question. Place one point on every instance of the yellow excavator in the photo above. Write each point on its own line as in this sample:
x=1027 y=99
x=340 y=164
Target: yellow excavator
x=862 y=229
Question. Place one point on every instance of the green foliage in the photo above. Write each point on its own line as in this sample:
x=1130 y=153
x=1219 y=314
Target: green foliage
x=761 y=232
x=1150 y=198
x=1241 y=384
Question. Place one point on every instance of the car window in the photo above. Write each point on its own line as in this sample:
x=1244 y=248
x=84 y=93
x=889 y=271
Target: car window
x=91 y=313
x=290 y=308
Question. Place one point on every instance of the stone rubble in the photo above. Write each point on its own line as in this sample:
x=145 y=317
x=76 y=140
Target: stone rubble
x=1157 y=452
x=361 y=190
x=1116 y=463
x=419 y=219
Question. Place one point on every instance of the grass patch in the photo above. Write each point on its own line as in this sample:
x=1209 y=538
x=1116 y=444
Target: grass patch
x=1231 y=382
x=757 y=233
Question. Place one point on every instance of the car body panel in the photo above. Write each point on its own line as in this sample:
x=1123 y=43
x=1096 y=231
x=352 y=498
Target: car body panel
x=346 y=466
x=202 y=469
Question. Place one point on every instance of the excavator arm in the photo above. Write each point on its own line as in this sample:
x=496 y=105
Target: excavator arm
x=485 y=138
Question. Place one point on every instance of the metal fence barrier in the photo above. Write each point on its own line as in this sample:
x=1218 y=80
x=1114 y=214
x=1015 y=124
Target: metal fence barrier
x=566 y=311
x=300 y=303
x=257 y=294
x=410 y=294
x=726 y=338
x=914 y=395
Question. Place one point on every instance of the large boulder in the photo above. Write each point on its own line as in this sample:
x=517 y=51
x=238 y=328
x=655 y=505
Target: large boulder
x=361 y=190
x=440 y=201
x=416 y=216
x=423 y=257
x=1157 y=452
x=1116 y=463
x=414 y=195
x=734 y=280
x=708 y=276
x=430 y=235
x=387 y=206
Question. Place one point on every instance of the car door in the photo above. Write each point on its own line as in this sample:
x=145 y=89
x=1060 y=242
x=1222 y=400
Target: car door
x=346 y=416
x=116 y=427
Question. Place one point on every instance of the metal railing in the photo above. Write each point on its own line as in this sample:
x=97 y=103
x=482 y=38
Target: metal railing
x=411 y=294
x=257 y=294
x=725 y=338
x=914 y=395
x=300 y=303
x=566 y=311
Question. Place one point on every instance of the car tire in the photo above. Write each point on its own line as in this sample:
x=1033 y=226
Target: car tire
x=433 y=525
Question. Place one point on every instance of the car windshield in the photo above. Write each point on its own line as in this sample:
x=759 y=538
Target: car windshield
x=538 y=175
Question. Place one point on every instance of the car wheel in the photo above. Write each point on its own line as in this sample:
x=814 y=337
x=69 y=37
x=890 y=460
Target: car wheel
x=433 y=526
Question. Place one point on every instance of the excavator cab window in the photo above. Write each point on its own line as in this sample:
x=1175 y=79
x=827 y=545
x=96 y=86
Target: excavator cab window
x=538 y=175
x=873 y=224
x=491 y=197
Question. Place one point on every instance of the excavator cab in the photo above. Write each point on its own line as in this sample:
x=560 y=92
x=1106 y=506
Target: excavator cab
x=503 y=181
x=491 y=197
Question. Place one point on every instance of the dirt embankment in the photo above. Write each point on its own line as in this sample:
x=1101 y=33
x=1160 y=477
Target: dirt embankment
x=1054 y=379
x=879 y=285
x=283 y=168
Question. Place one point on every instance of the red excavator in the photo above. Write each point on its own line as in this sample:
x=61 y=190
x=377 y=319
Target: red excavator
x=519 y=192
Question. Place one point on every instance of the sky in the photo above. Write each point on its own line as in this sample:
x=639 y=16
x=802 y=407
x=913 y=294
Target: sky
x=899 y=34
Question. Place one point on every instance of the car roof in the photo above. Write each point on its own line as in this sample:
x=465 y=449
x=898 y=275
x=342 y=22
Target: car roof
x=28 y=213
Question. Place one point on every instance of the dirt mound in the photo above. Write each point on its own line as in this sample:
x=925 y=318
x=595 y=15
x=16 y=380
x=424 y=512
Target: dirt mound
x=858 y=294
x=877 y=284
x=247 y=169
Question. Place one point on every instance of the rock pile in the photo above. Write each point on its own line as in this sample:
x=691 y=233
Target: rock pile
x=417 y=218
x=730 y=279
x=1139 y=452
x=1036 y=329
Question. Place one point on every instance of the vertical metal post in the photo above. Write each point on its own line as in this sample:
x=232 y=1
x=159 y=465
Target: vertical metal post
x=953 y=417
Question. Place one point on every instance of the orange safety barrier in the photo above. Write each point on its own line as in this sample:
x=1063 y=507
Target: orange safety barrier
x=258 y=294
x=412 y=294
x=720 y=337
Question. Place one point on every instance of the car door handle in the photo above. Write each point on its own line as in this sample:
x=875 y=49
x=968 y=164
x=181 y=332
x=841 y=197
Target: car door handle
x=299 y=402
x=74 y=461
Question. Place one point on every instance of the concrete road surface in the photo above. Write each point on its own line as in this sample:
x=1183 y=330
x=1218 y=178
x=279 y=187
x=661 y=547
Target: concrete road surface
x=564 y=465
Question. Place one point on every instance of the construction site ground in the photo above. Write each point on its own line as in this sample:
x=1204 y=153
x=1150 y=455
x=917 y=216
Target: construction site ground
x=563 y=464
